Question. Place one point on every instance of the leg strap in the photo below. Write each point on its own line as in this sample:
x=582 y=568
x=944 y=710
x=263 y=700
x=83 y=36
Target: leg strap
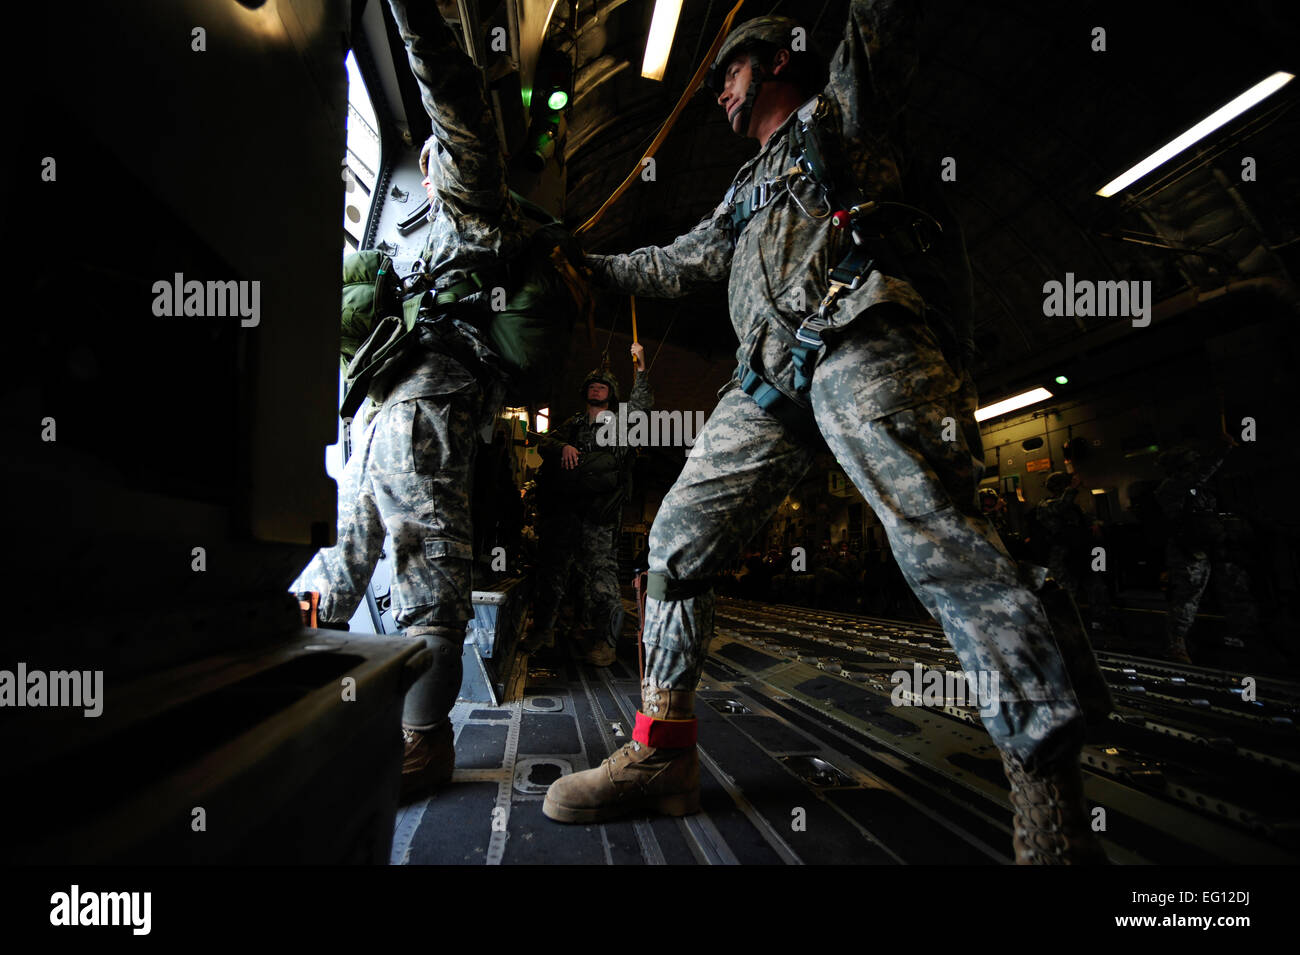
x=661 y=588
x=665 y=734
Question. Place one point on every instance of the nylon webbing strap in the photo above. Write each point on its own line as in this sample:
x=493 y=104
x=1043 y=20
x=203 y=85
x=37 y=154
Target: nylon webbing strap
x=797 y=420
x=761 y=195
x=852 y=267
x=804 y=352
x=665 y=734
x=474 y=282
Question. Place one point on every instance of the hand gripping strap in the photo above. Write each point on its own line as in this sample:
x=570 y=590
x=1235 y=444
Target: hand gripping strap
x=665 y=734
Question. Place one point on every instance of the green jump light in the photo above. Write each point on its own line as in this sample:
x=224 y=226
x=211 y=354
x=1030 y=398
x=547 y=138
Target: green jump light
x=557 y=100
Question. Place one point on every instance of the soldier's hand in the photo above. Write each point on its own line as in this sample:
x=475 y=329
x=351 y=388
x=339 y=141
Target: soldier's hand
x=569 y=457
x=638 y=356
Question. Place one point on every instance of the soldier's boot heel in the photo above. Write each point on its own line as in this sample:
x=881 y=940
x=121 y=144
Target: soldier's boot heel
x=1051 y=825
x=428 y=761
x=681 y=804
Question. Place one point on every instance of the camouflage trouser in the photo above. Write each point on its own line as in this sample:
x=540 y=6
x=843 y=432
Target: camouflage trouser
x=563 y=541
x=1189 y=573
x=1061 y=568
x=913 y=465
x=409 y=478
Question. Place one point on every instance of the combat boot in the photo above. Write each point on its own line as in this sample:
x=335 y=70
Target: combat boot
x=601 y=654
x=428 y=760
x=1176 y=650
x=1051 y=822
x=537 y=641
x=603 y=649
x=659 y=771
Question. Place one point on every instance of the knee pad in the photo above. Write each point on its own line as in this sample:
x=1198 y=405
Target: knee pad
x=615 y=626
x=430 y=700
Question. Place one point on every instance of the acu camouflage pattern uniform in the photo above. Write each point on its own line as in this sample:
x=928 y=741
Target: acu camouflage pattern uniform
x=1200 y=545
x=410 y=474
x=582 y=531
x=1068 y=532
x=879 y=396
x=1063 y=524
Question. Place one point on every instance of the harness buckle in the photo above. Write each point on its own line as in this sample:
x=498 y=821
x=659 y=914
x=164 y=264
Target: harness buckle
x=810 y=336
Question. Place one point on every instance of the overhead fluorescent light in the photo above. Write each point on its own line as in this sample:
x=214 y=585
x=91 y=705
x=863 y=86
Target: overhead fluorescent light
x=1013 y=403
x=1222 y=115
x=663 y=27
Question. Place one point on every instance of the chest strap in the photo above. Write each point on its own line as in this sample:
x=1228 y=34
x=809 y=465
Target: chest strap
x=756 y=198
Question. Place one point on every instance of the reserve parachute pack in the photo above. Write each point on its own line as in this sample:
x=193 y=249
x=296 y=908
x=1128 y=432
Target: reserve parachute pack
x=375 y=327
x=528 y=331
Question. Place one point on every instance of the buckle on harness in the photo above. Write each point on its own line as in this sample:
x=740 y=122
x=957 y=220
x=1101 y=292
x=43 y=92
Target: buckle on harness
x=810 y=334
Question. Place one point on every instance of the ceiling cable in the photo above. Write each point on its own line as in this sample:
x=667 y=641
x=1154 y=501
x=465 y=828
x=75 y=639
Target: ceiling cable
x=691 y=87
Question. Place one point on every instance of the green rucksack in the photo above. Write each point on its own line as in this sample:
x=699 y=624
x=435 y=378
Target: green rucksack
x=375 y=325
x=544 y=292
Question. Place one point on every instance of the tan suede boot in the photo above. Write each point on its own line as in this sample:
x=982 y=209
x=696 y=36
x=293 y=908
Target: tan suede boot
x=601 y=654
x=1051 y=823
x=428 y=760
x=642 y=776
x=1176 y=650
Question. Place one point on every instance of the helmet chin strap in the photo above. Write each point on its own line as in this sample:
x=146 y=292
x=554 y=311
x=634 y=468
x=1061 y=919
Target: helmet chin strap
x=757 y=77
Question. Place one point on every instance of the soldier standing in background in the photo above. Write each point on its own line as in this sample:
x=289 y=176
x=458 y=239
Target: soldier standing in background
x=875 y=371
x=581 y=489
x=1065 y=530
x=1197 y=546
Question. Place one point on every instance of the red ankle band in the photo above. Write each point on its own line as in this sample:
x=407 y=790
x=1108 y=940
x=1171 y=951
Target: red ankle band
x=665 y=734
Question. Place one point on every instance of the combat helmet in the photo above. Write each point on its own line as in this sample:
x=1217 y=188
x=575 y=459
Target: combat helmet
x=775 y=31
x=602 y=375
x=1057 y=482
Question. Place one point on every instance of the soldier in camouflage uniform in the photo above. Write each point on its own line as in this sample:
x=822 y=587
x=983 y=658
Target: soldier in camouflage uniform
x=1064 y=527
x=1197 y=547
x=410 y=474
x=883 y=395
x=580 y=496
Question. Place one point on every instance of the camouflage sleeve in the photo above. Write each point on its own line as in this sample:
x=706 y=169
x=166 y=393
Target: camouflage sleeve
x=554 y=440
x=698 y=258
x=465 y=163
x=642 y=397
x=871 y=71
